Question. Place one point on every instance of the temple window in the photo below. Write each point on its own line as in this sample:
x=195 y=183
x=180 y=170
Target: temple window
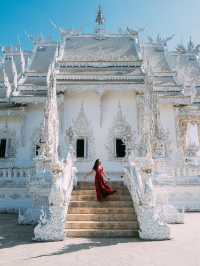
x=37 y=150
x=120 y=148
x=81 y=148
x=3 y=148
x=7 y=148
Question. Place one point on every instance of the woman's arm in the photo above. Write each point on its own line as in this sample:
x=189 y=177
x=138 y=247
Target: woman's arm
x=90 y=173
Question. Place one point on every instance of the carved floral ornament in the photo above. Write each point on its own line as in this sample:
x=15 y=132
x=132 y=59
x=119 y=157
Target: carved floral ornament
x=120 y=129
x=81 y=128
x=161 y=143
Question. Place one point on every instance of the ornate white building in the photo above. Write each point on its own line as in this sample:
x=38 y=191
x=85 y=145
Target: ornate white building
x=116 y=97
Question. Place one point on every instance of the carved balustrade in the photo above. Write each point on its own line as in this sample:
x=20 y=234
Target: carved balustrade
x=151 y=223
x=187 y=171
x=16 y=173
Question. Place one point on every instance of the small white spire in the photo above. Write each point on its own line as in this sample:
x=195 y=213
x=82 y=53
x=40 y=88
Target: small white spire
x=7 y=83
x=100 y=20
x=22 y=58
x=100 y=24
x=190 y=45
x=15 y=75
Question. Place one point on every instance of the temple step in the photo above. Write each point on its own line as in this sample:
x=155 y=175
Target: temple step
x=102 y=217
x=106 y=203
x=114 y=197
x=123 y=225
x=91 y=191
x=90 y=185
x=101 y=210
x=113 y=217
x=90 y=233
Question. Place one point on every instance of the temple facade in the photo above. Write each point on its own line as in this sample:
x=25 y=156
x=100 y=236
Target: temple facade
x=117 y=96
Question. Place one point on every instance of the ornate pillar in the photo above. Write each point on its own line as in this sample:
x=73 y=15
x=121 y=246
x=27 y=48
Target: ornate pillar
x=61 y=115
x=140 y=114
x=49 y=172
x=100 y=94
x=23 y=136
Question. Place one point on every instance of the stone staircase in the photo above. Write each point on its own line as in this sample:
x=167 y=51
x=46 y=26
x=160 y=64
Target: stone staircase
x=113 y=217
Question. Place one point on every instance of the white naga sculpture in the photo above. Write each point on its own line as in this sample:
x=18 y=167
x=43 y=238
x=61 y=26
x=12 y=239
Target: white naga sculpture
x=53 y=179
x=152 y=218
x=61 y=174
x=151 y=224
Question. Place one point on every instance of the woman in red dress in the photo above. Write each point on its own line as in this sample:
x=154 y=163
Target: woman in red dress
x=102 y=187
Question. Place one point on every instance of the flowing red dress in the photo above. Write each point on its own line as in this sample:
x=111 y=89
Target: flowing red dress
x=102 y=187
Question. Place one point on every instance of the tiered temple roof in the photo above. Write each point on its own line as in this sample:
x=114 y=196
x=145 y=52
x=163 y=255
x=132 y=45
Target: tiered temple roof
x=99 y=58
x=111 y=48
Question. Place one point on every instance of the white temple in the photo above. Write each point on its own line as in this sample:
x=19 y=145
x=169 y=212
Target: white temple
x=116 y=99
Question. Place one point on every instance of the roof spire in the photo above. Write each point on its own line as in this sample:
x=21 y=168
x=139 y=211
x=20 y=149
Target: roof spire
x=100 y=24
x=100 y=20
x=190 y=44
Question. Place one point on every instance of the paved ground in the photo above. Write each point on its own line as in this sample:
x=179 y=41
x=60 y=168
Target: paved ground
x=17 y=249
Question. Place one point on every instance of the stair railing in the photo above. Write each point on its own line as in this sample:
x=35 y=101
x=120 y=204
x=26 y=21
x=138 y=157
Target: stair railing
x=151 y=223
x=69 y=178
x=51 y=226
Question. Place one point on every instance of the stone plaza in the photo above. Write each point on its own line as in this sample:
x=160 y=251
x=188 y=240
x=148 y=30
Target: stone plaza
x=16 y=248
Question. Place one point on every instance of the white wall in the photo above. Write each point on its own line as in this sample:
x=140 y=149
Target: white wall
x=91 y=103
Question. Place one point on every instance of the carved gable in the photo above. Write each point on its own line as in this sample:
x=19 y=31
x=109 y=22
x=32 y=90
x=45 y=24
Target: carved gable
x=120 y=129
x=81 y=128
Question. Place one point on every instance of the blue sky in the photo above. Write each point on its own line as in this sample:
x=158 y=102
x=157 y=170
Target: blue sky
x=179 y=17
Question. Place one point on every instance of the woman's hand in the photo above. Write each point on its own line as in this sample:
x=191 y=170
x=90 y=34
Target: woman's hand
x=107 y=178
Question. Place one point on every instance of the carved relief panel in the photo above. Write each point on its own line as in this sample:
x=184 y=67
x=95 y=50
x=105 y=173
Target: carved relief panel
x=182 y=125
x=120 y=130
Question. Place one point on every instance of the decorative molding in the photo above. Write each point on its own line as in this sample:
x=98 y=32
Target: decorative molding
x=133 y=78
x=81 y=86
x=63 y=64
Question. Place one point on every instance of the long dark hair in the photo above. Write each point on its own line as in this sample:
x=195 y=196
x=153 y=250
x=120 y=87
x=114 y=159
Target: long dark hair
x=96 y=165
